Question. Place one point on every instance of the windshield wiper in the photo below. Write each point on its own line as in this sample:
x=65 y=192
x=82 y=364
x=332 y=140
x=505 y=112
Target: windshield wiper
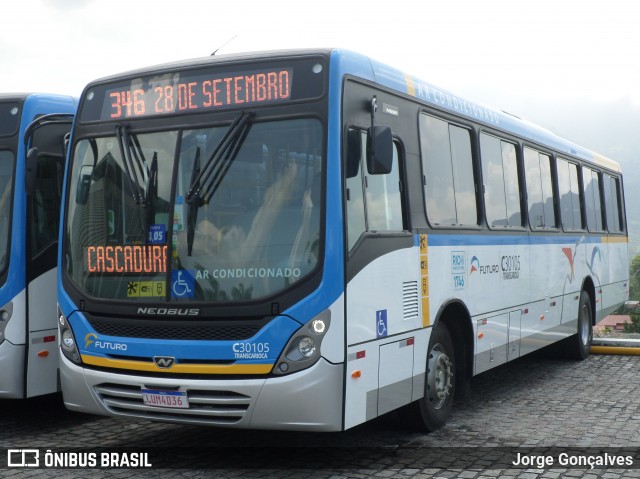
x=152 y=192
x=192 y=214
x=137 y=170
x=213 y=182
x=221 y=158
x=214 y=171
x=124 y=142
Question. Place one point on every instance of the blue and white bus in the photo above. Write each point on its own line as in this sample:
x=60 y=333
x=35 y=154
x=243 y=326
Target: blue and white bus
x=311 y=239
x=34 y=126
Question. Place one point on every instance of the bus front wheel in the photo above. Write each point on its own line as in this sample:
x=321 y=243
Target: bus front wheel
x=432 y=411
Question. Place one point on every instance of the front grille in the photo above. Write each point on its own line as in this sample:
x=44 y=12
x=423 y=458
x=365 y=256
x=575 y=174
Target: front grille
x=176 y=329
x=205 y=407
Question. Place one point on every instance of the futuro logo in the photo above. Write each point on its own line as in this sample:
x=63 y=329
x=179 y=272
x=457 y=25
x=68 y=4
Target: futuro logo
x=89 y=339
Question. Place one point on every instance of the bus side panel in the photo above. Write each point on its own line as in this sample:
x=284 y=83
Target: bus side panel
x=549 y=270
x=616 y=290
x=386 y=342
x=384 y=375
x=597 y=257
x=489 y=274
x=377 y=301
x=12 y=350
x=42 y=367
x=15 y=329
x=582 y=258
x=12 y=360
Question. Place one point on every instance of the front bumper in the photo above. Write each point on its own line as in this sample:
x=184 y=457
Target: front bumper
x=308 y=400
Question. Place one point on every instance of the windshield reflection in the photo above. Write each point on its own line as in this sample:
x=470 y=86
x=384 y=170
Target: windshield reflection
x=259 y=232
x=253 y=231
x=6 y=180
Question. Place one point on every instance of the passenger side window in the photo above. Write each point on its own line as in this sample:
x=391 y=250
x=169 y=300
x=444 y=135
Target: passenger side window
x=45 y=209
x=6 y=193
x=500 y=178
x=450 y=194
x=592 y=200
x=612 y=199
x=569 y=190
x=373 y=201
x=539 y=189
x=356 y=221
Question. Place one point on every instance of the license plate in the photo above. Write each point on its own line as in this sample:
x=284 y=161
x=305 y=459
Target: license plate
x=168 y=399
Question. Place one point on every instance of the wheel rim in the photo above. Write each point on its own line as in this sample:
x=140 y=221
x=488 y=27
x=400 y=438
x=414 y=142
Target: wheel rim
x=585 y=322
x=440 y=377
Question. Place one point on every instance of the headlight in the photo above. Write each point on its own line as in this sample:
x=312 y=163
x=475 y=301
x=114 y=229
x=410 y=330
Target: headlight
x=307 y=347
x=303 y=349
x=5 y=315
x=67 y=339
x=68 y=343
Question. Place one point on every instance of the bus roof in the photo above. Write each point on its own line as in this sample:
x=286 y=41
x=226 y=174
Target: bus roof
x=447 y=101
x=21 y=96
x=356 y=64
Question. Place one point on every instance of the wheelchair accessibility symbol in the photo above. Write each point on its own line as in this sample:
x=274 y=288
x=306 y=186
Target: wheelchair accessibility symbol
x=381 y=323
x=182 y=283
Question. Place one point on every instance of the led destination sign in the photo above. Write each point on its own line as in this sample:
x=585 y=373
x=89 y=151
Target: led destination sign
x=126 y=259
x=199 y=92
x=216 y=87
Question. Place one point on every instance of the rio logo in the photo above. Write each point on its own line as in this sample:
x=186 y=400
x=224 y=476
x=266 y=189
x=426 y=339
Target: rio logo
x=458 y=268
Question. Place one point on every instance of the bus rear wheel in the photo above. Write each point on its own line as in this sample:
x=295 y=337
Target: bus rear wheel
x=431 y=412
x=579 y=345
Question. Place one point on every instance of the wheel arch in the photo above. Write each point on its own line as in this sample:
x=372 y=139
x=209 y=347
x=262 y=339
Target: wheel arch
x=589 y=287
x=455 y=315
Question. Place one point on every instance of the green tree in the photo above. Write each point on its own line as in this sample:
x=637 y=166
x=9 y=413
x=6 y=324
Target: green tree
x=634 y=325
x=633 y=310
x=634 y=275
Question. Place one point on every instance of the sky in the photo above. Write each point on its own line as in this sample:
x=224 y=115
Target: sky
x=569 y=65
x=497 y=52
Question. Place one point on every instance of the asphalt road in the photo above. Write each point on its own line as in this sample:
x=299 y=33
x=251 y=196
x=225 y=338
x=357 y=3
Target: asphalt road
x=563 y=416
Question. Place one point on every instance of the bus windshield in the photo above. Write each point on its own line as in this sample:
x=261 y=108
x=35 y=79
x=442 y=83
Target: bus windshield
x=222 y=214
x=6 y=182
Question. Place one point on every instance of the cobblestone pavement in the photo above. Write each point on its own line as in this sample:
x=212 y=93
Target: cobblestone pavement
x=539 y=405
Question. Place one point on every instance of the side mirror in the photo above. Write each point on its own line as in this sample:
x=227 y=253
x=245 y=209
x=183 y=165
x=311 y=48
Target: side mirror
x=30 y=170
x=84 y=184
x=379 y=150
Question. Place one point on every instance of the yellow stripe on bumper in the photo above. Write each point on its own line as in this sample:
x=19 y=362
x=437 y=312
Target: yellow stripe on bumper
x=179 y=368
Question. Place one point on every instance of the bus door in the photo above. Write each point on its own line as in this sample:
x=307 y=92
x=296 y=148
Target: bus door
x=46 y=139
x=383 y=273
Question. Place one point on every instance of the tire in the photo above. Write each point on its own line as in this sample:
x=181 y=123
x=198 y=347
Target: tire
x=579 y=345
x=432 y=411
